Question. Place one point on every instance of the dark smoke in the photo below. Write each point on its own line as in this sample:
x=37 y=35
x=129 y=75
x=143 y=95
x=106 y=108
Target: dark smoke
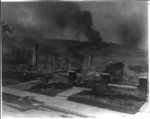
x=63 y=20
x=119 y=22
x=92 y=34
x=132 y=24
x=130 y=33
x=122 y=22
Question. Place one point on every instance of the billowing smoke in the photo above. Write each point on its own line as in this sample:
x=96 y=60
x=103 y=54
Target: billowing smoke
x=132 y=28
x=62 y=20
x=119 y=22
x=123 y=22
x=130 y=33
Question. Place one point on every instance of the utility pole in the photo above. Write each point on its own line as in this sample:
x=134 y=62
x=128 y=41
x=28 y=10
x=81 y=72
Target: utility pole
x=92 y=57
x=35 y=57
x=67 y=57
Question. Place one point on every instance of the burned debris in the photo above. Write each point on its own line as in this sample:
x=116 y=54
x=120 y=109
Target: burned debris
x=77 y=64
x=59 y=50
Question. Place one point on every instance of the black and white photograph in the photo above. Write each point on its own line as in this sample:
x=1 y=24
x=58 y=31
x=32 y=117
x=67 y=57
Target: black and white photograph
x=74 y=59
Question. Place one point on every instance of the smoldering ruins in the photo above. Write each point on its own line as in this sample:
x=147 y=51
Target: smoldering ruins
x=96 y=51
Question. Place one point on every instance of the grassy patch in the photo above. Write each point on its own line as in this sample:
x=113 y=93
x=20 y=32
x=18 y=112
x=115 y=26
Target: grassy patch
x=14 y=77
x=21 y=104
x=51 y=89
x=113 y=100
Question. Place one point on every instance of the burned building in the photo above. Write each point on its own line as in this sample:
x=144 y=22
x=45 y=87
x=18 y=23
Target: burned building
x=55 y=55
x=50 y=55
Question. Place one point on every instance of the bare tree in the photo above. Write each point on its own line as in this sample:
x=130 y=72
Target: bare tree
x=6 y=30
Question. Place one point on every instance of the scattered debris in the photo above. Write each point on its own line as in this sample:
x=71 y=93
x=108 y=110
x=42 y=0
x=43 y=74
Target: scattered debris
x=116 y=70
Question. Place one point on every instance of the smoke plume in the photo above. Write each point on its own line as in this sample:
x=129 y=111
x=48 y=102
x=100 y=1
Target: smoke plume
x=119 y=22
x=62 y=20
x=123 y=22
x=130 y=33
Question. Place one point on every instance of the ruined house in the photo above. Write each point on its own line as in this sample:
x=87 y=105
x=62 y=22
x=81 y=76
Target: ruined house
x=61 y=55
x=49 y=55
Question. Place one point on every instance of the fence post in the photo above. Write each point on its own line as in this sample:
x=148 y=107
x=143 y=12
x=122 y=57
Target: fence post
x=72 y=77
x=105 y=79
x=143 y=85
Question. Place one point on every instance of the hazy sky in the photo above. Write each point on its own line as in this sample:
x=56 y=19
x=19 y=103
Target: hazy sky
x=108 y=16
x=119 y=22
